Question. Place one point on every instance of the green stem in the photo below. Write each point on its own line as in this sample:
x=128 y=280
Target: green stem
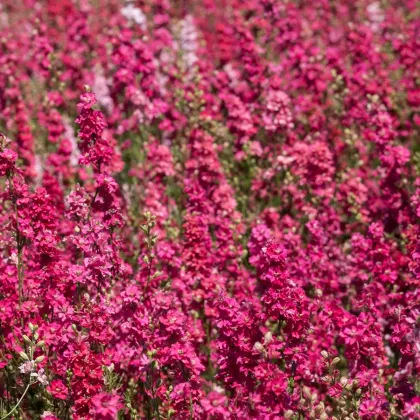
x=18 y=403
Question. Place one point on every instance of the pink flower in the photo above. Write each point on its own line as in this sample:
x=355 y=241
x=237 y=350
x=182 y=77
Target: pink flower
x=48 y=415
x=57 y=389
x=106 y=406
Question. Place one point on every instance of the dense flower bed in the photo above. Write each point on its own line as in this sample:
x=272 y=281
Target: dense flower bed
x=209 y=209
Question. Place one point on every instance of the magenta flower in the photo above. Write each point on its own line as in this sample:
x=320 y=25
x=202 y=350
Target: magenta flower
x=57 y=389
x=106 y=406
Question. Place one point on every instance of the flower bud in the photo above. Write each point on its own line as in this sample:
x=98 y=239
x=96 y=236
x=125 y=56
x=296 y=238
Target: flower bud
x=335 y=360
x=39 y=359
x=24 y=356
x=319 y=408
x=27 y=339
x=268 y=337
x=307 y=392
x=324 y=354
x=259 y=347
x=151 y=353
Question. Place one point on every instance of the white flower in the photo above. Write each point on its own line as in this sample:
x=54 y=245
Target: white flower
x=188 y=40
x=41 y=377
x=27 y=367
x=134 y=14
x=69 y=133
x=101 y=90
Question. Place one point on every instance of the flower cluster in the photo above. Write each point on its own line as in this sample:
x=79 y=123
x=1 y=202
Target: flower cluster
x=209 y=210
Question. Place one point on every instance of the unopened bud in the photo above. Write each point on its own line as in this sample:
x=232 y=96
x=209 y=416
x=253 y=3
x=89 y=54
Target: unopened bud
x=268 y=337
x=27 y=339
x=39 y=359
x=23 y=355
x=151 y=353
x=306 y=392
x=335 y=360
x=324 y=354
x=288 y=414
x=319 y=408
x=259 y=347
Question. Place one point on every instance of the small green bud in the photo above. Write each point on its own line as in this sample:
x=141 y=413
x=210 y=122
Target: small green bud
x=27 y=339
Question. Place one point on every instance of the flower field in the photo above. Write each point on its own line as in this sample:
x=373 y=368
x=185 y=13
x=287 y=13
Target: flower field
x=209 y=209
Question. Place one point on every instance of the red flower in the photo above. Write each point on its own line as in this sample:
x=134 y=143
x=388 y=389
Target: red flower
x=57 y=389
